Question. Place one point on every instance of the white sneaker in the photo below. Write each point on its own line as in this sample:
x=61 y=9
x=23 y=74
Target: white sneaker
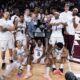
x=47 y=77
x=28 y=76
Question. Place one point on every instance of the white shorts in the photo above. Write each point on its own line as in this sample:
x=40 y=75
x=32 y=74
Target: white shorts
x=24 y=42
x=6 y=43
x=11 y=41
x=54 y=40
x=10 y=44
x=3 y=45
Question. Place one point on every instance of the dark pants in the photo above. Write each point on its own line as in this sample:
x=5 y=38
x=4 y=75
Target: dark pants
x=69 y=39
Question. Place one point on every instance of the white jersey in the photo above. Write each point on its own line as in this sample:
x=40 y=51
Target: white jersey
x=56 y=35
x=21 y=27
x=38 y=52
x=6 y=24
x=13 y=17
x=6 y=39
x=56 y=30
x=27 y=19
x=20 y=51
x=21 y=37
x=57 y=53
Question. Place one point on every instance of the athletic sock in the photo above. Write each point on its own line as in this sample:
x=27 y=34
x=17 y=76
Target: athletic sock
x=47 y=70
x=28 y=68
x=61 y=67
x=53 y=67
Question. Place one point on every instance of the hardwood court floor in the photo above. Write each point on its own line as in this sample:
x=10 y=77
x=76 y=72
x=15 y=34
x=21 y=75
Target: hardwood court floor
x=37 y=71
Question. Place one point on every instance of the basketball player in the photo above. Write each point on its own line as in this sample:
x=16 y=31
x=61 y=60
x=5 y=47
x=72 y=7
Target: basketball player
x=20 y=52
x=20 y=58
x=59 y=54
x=57 y=26
x=21 y=31
x=7 y=39
x=36 y=57
x=72 y=22
x=56 y=54
x=39 y=56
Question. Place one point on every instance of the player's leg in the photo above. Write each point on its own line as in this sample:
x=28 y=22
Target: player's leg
x=27 y=41
x=24 y=43
x=11 y=49
x=3 y=49
x=28 y=68
x=9 y=69
x=52 y=41
x=47 y=68
x=24 y=60
x=20 y=59
x=11 y=55
x=3 y=60
x=61 y=67
x=54 y=64
x=63 y=59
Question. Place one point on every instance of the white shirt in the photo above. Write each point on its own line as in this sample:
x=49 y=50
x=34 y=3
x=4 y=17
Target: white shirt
x=56 y=30
x=20 y=36
x=38 y=51
x=68 y=18
x=65 y=15
x=6 y=24
x=58 y=53
x=22 y=26
x=70 y=28
x=27 y=18
x=20 y=51
x=15 y=16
